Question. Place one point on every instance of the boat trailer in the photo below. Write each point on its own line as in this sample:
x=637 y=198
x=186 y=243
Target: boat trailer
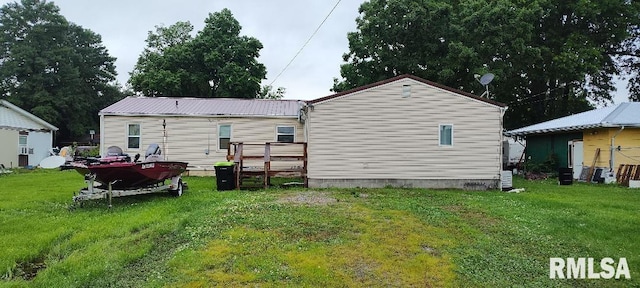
x=94 y=192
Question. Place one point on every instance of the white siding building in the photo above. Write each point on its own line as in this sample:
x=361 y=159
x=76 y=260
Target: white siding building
x=405 y=132
x=24 y=138
x=197 y=130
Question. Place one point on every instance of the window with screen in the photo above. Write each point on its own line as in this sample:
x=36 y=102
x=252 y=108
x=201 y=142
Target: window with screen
x=285 y=134
x=133 y=136
x=224 y=136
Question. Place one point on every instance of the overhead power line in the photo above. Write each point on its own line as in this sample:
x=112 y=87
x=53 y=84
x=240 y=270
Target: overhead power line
x=521 y=101
x=305 y=43
x=629 y=157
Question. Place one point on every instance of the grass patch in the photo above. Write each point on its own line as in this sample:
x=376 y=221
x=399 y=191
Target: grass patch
x=295 y=237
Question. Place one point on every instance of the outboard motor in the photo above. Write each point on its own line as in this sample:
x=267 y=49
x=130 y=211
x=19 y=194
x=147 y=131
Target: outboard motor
x=153 y=153
x=115 y=154
x=153 y=149
x=114 y=151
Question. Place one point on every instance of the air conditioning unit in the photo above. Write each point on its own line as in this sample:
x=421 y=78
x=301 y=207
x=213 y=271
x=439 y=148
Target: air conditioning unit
x=506 y=180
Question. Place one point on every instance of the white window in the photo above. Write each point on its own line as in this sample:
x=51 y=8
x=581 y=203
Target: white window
x=224 y=136
x=133 y=136
x=446 y=135
x=22 y=140
x=285 y=134
x=22 y=144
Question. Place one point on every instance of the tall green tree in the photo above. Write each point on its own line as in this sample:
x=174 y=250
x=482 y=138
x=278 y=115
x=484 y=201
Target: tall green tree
x=162 y=67
x=550 y=58
x=54 y=69
x=217 y=62
x=397 y=37
x=628 y=55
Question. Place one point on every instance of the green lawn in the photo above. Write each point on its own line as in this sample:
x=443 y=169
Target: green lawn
x=300 y=238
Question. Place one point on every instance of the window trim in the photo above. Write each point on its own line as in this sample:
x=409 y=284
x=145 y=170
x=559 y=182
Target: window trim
x=139 y=136
x=440 y=126
x=286 y=125
x=218 y=148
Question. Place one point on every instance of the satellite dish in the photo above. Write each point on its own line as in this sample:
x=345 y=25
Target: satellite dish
x=486 y=79
x=52 y=162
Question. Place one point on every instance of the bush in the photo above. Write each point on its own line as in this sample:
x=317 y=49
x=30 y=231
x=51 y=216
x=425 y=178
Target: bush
x=88 y=151
x=549 y=165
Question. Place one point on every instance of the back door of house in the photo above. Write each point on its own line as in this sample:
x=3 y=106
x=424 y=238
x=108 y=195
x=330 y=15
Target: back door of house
x=576 y=157
x=23 y=149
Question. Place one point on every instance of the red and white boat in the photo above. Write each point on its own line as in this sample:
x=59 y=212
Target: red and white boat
x=135 y=175
x=116 y=175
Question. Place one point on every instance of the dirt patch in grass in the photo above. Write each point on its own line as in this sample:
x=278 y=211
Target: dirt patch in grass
x=308 y=198
x=28 y=270
x=474 y=216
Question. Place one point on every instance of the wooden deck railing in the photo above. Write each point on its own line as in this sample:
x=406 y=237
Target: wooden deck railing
x=260 y=162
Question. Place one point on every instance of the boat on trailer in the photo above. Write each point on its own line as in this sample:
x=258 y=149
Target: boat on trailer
x=116 y=175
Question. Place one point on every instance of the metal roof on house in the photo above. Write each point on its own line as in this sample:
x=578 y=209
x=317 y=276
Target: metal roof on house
x=15 y=118
x=202 y=107
x=623 y=114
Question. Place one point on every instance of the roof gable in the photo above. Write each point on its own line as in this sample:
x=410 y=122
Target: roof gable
x=623 y=114
x=183 y=106
x=15 y=118
x=401 y=77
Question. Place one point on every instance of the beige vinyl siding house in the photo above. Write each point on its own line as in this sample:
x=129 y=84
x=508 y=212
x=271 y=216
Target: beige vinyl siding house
x=197 y=128
x=403 y=131
x=407 y=132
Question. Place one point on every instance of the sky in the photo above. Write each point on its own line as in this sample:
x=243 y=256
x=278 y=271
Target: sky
x=282 y=26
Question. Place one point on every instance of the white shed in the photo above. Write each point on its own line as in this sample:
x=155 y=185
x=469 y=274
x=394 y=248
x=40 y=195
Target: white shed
x=25 y=139
x=406 y=132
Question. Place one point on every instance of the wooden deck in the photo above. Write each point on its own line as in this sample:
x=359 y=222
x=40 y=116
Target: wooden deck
x=256 y=164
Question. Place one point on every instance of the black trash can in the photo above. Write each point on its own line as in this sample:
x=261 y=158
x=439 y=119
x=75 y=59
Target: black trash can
x=565 y=176
x=225 y=176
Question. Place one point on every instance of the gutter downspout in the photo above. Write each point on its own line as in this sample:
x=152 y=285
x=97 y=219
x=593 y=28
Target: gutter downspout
x=53 y=138
x=164 y=139
x=503 y=110
x=305 y=128
x=613 y=144
x=102 y=135
x=303 y=118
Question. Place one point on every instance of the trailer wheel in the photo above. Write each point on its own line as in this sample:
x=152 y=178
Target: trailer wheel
x=178 y=191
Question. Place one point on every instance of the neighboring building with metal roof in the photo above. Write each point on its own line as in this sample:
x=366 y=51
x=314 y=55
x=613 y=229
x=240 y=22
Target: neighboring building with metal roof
x=25 y=139
x=197 y=130
x=624 y=114
x=574 y=139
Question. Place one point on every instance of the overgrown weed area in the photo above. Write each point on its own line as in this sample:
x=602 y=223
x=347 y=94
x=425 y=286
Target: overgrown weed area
x=304 y=237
